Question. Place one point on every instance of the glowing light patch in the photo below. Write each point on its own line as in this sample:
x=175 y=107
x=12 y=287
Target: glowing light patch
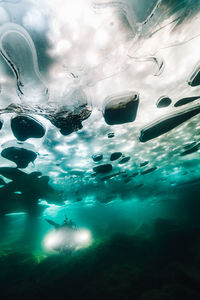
x=18 y=193
x=43 y=202
x=67 y=239
x=52 y=239
x=83 y=236
x=16 y=214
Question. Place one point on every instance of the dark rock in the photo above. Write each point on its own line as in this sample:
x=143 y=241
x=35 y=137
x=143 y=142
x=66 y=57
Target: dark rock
x=115 y=156
x=103 y=168
x=97 y=157
x=67 y=120
x=25 y=127
x=184 y=101
x=77 y=172
x=12 y=173
x=194 y=79
x=144 y=163
x=110 y=176
x=189 y=145
x=163 y=101
x=167 y=123
x=111 y=135
x=191 y=150
x=21 y=156
x=148 y=171
x=124 y=160
x=120 y=109
x=23 y=192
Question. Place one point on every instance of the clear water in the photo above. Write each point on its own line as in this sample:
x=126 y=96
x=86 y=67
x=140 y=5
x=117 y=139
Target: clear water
x=130 y=180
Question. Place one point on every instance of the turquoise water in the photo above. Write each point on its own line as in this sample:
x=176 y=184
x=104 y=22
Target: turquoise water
x=99 y=143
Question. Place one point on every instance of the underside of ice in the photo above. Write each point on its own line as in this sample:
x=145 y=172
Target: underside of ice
x=95 y=96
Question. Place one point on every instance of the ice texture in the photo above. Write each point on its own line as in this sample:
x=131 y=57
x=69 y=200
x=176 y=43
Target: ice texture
x=110 y=90
x=19 y=51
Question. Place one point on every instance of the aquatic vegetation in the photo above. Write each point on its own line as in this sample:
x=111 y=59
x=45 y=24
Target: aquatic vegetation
x=160 y=266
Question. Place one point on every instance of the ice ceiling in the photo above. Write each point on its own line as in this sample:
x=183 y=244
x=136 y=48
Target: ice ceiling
x=101 y=96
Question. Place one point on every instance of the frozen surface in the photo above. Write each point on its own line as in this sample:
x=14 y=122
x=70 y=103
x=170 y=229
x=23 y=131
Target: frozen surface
x=62 y=60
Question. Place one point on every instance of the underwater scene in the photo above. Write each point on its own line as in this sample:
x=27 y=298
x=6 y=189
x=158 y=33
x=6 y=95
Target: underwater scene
x=100 y=149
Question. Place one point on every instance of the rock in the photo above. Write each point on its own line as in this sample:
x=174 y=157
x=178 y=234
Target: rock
x=23 y=192
x=189 y=145
x=124 y=160
x=144 y=163
x=111 y=135
x=167 y=123
x=191 y=150
x=148 y=171
x=97 y=157
x=11 y=173
x=163 y=101
x=115 y=156
x=121 y=108
x=25 y=127
x=68 y=120
x=21 y=156
x=103 y=168
x=194 y=79
x=110 y=176
x=184 y=101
